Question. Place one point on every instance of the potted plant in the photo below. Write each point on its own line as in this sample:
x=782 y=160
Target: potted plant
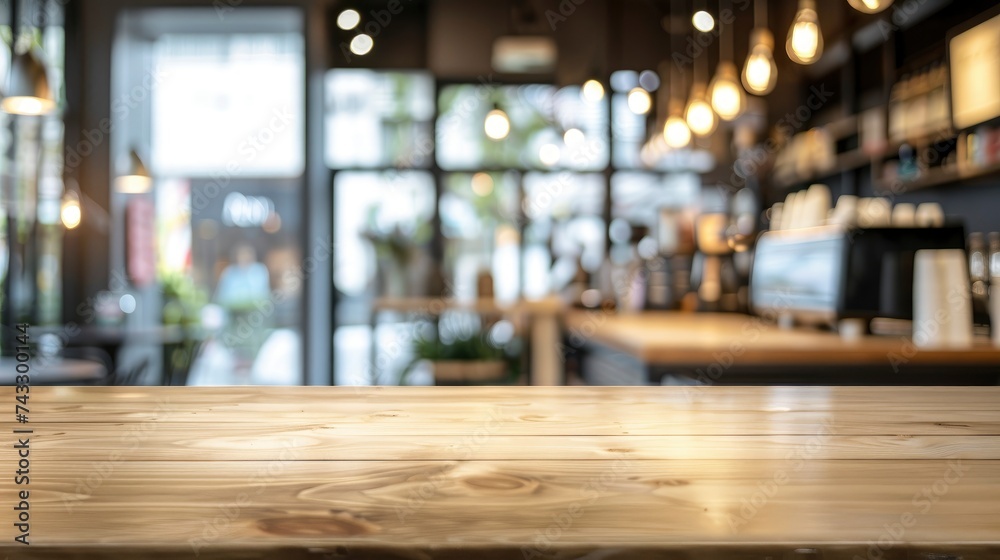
x=402 y=265
x=469 y=360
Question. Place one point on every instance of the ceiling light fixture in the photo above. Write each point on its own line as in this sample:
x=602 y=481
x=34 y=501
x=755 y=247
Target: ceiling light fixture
x=497 y=124
x=136 y=179
x=725 y=92
x=805 y=38
x=348 y=19
x=870 y=6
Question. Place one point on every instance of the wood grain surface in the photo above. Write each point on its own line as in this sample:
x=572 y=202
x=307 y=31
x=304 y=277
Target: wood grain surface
x=510 y=472
x=698 y=339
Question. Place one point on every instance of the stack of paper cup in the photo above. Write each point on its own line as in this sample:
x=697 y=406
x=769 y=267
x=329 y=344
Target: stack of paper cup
x=846 y=212
x=929 y=214
x=942 y=302
x=904 y=215
x=815 y=206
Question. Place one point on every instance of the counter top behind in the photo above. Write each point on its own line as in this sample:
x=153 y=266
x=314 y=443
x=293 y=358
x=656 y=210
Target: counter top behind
x=670 y=337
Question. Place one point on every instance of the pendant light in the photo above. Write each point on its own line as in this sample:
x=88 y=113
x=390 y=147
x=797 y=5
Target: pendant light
x=592 y=90
x=27 y=90
x=639 y=101
x=760 y=73
x=870 y=6
x=676 y=132
x=699 y=115
x=70 y=211
x=725 y=92
x=348 y=19
x=136 y=179
x=497 y=123
x=701 y=19
x=805 y=38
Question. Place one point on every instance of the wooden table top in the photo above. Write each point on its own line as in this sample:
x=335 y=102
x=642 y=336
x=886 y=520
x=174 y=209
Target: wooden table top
x=698 y=339
x=508 y=472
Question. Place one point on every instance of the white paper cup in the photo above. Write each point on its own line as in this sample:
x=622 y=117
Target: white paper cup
x=929 y=214
x=904 y=215
x=942 y=299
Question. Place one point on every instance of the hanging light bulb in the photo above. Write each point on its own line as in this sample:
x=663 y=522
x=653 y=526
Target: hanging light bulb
x=760 y=73
x=728 y=99
x=805 y=38
x=676 y=132
x=496 y=125
x=593 y=91
x=362 y=44
x=348 y=19
x=639 y=101
x=70 y=212
x=699 y=114
x=703 y=21
x=870 y=6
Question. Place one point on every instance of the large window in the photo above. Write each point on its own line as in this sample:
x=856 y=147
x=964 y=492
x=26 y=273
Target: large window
x=378 y=119
x=32 y=164
x=228 y=104
x=550 y=128
x=219 y=116
x=526 y=208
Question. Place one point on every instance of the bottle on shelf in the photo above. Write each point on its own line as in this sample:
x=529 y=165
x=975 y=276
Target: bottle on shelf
x=979 y=275
x=994 y=268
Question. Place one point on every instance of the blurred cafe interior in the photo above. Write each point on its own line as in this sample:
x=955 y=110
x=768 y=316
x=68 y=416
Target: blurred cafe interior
x=501 y=192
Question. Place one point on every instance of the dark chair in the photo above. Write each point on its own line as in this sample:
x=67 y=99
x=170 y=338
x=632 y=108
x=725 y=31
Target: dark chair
x=130 y=376
x=90 y=354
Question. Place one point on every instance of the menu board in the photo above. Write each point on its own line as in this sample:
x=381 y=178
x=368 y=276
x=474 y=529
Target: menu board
x=975 y=74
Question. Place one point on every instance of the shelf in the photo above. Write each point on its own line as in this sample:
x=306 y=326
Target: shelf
x=846 y=161
x=927 y=138
x=938 y=177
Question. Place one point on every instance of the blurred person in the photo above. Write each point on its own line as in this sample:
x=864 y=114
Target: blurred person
x=244 y=286
x=244 y=282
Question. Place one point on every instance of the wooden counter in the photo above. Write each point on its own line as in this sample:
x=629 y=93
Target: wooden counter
x=515 y=472
x=739 y=341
